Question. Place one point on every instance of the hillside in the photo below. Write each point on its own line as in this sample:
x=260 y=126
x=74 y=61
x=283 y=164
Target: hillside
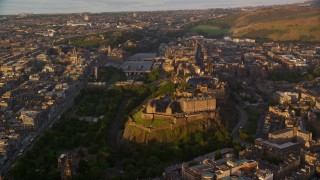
x=279 y=23
x=227 y=117
x=138 y=135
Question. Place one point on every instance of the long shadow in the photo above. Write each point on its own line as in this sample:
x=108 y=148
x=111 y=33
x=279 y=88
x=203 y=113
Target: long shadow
x=116 y=125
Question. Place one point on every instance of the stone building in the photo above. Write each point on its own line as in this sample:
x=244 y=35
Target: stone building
x=281 y=136
x=182 y=110
x=198 y=104
x=290 y=163
x=264 y=174
x=274 y=150
x=116 y=54
x=219 y=169
x=290 y=135
x=285 y=97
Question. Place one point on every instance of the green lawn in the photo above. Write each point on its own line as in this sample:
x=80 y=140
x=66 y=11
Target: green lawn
x=253 y=118
x=249 y=131
x=211 y=31
x=155 y=123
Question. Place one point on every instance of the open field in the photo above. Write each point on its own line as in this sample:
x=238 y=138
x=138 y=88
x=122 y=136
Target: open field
x=208 y=30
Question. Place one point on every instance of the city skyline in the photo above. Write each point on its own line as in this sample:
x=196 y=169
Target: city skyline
x=96 y=6
x=171 y=89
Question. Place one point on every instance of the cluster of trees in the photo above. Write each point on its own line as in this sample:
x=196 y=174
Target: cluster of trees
x=165 y=88
x=111 y=75
x=93 y=42
x=295 y=77
x=114 y=38
x=70 y=134
x=97 y=102
x=36 y=65
x=292 y=77
x=246 y=136
x=136 y=95
x=90 y=139
x=154 y=75
x=119 y=37
x=142 y=161
x=249 y=131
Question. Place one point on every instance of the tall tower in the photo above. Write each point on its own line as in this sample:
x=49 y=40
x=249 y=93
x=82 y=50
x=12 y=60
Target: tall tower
x=96 y=72
x=209 y=67
x=74 y=56
x=199 y=57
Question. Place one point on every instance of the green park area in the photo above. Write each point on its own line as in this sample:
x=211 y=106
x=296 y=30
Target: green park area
x=86 y=139
x=110 y=75
x=254 y=114
x=90 y=140
x=295 y=77
x=210 y=31
x=249 y=131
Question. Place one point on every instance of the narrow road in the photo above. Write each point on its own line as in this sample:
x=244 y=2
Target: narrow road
x=115 y=125
x=243 y=117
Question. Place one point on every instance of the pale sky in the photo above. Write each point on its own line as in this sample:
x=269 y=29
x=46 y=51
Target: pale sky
x=94 y=6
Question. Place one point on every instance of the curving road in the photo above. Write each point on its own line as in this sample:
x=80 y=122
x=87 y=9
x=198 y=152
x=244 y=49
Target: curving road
x=243 y=117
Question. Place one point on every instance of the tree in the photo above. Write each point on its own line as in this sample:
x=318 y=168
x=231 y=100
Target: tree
x=316 y=71
x=80 y=152
x=83 y=166
x=95 y=173
x=217 y=154
x=53 y=174
x=154 y=75
x=166 y=89
x=312 y=103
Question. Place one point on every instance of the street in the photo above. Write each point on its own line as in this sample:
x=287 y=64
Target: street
x=34 y=136
x=243 y=117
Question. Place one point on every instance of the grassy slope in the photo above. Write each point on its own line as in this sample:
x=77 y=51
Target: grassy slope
x=209 y=30
x=280 y=23
x=140 y=136
x=155 y=123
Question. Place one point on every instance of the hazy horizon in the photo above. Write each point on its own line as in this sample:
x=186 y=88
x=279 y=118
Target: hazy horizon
x=10 y=7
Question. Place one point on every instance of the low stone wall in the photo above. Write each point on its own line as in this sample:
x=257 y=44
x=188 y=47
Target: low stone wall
x=132 y=123
x=178 y=122
x=148 y=116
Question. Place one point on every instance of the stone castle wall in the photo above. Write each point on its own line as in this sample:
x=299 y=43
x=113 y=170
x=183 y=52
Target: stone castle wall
x=177 y=122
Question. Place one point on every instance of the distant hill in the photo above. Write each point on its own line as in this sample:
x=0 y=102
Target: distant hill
x=279 y=23
x=282 y=23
